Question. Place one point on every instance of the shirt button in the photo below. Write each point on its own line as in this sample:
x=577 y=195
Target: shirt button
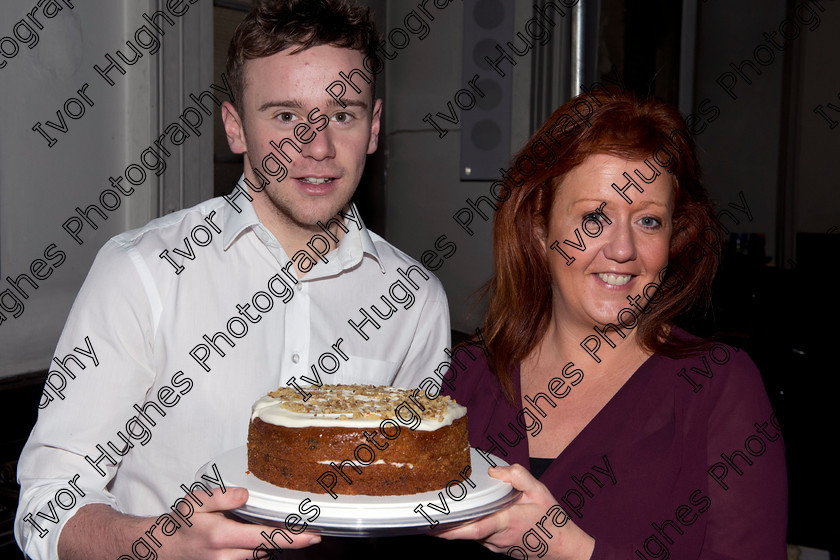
x=295 y=358
x=299 y=286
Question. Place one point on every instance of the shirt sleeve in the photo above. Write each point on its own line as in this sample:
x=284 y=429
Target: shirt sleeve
x=431 y=337
x=743 y=477
x=747 y=477
x=110 y=334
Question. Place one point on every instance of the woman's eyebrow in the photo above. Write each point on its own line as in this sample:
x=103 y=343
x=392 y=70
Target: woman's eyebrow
x=589 y=201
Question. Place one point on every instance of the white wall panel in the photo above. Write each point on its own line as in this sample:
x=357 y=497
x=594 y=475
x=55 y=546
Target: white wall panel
x=41 y=185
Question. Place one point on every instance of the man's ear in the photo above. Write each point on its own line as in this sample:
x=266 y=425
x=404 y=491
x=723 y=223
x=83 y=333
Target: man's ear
x=234 y=129
x=375 y=122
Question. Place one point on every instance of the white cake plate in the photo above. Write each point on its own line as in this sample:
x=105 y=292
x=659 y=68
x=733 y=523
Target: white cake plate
x=365 y=516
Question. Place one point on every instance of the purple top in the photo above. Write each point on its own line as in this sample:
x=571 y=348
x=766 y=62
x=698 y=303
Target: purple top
x=685 y=461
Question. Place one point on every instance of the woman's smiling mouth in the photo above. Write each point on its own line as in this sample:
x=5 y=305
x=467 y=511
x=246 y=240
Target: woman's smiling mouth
x=614 y=279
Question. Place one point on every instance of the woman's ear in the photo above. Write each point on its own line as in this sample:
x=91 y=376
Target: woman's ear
x=540 y=234
x=544 y=205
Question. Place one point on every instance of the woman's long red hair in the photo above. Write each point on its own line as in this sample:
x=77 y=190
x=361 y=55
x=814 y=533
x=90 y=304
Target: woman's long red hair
x=520 y=299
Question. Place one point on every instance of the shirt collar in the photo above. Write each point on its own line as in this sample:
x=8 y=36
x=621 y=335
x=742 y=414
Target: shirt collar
x=354 y=245
x=239 y=213
x=351 y=249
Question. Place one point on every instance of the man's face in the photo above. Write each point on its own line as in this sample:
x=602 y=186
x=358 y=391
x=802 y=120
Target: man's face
x=285 y=98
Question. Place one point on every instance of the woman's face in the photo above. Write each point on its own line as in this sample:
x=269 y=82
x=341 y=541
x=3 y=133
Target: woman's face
x=626 y=243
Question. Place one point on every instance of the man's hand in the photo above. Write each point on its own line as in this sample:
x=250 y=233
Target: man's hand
x=505 y=528
x=98 y=531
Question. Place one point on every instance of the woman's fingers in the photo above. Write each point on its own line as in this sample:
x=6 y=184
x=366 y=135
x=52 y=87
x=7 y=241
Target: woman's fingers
x=509 y=527
x=477 y=530
x=518 y=476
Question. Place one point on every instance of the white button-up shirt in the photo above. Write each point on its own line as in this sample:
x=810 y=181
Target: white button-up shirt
x=164 y=353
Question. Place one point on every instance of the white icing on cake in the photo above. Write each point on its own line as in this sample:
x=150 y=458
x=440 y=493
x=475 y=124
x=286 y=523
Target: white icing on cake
x=378 y=462
x=348 y=406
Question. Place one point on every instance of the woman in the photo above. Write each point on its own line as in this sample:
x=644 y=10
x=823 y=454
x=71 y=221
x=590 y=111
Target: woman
x=628 y=437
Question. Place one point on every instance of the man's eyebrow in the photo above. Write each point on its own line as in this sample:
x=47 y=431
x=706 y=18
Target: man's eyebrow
x=332 y=104
x=281 y=103
x=295 y=104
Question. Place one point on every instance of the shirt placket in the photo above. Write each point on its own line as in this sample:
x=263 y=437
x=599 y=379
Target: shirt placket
x=298 y=333
x=297 y=337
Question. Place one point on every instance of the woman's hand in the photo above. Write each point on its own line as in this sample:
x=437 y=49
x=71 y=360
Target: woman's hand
x=535 y=522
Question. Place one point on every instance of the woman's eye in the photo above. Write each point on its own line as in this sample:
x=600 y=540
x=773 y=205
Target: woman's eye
x=650 y=222
x=593 y=216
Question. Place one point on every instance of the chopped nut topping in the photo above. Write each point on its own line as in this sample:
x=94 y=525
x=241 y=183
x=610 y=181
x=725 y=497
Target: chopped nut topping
x=366 y=402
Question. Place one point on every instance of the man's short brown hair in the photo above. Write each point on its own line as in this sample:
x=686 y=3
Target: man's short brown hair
x=276 y=25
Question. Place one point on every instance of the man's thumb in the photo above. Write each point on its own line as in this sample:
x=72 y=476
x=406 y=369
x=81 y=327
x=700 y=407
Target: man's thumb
x=231 y=498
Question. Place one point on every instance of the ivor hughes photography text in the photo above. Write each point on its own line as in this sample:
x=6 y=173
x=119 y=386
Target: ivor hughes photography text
x=443 y=278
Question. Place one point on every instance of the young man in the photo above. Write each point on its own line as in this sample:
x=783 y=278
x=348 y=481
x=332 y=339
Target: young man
x=285 y=287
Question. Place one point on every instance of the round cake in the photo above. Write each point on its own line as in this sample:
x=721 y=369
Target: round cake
x=358 y=439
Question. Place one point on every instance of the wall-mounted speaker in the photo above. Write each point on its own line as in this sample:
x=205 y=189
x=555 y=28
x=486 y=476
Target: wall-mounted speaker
x=485 y=100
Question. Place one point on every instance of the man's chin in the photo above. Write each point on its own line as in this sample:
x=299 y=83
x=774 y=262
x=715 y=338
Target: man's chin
x=310 y=217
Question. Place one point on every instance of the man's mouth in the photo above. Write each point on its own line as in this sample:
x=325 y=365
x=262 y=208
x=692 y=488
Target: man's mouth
x=615 y=279
x=316 y=180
